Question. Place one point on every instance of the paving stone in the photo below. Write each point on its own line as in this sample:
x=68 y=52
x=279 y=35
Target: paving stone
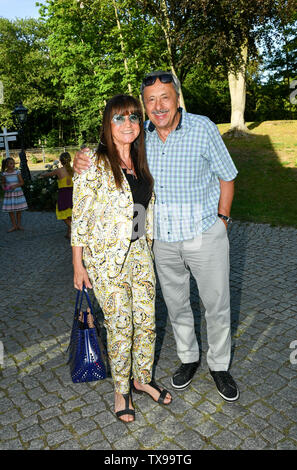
x=293 y=431
x=32 y=432
x=27 y=422
x=206 y=407
x=103 y=445
x=13 y=444
x=279 y=421
x=253 y=443
x=286 y=444
x=36 y=393
x=11 y=416
x=30 y=408
x=52 y=425
x=92 y=438
x=72 y=444
x=49 y=413
x=106 y=417
x=261 y=410
x=190 y=440
x=256 y=424
x=272 y=435
x=113 y=430
x=207 y=428
x=30 y=382
x=193 y=418
x=71 y=405
x=291 y=413
x=37 y=444
x=226 y=440
x=5 y=404
x=173 y=427
x=167 y=445
x=129 y=443
x=83 y=426
x=58 y=437
x=7 y=432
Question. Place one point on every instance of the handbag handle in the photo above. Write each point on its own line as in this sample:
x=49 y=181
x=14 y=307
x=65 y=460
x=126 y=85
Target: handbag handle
x=79 y=298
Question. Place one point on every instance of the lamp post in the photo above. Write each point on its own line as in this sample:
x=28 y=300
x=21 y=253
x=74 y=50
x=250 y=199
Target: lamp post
x=20 y=118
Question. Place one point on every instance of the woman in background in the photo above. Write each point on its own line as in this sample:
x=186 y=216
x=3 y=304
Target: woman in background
x=65 y=185
x=14 y=201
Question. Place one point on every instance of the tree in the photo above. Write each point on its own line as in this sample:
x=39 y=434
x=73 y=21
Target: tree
x=225 y=32
x=279 y=64
x=169 y=15
x=100 y=48
x=26 y=72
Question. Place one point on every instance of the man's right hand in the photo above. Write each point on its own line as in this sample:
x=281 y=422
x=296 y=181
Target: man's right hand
x=81 y=160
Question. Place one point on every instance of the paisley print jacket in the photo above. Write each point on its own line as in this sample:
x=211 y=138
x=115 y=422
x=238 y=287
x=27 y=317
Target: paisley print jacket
x=102 y=218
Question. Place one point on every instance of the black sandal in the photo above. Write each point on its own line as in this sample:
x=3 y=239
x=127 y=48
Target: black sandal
x=127 y=410
x=162 y=396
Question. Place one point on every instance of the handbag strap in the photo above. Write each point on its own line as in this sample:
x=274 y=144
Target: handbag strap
x=79 y=299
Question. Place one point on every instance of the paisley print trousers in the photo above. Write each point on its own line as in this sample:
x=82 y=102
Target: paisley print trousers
x=128 y=304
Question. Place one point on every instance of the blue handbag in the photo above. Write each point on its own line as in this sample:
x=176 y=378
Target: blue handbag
x=85 y=357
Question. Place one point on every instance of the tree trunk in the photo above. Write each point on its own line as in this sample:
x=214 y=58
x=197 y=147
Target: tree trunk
x=166 y=28
x=122 y=44
x=288 y=73
x=237 y=87
x=60 y=131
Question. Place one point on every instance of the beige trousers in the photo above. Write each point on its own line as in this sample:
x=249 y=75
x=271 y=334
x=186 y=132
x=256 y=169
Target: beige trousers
x=207 y=258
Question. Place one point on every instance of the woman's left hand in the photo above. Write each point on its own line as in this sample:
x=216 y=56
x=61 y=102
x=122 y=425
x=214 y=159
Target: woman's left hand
x=81 y=278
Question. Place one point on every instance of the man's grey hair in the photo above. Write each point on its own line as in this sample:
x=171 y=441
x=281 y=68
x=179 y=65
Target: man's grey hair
x=175 y=80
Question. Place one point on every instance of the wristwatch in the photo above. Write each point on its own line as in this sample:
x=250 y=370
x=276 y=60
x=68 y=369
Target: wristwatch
x=225 y=217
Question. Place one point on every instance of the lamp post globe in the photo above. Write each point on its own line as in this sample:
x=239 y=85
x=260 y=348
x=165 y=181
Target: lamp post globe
x=20 y=114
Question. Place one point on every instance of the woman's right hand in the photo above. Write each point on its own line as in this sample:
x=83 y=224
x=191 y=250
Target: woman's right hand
x=81 y=160
x=81 y=277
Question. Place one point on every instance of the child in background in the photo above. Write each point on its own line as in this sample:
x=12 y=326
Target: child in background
x=14 y=201
x=65 y=185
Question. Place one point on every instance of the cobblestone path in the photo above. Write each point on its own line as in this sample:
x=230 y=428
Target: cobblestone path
x=42 y=409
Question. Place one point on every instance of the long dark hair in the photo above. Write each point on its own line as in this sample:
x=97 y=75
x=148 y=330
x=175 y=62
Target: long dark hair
x=107 y=151
x=5 y=163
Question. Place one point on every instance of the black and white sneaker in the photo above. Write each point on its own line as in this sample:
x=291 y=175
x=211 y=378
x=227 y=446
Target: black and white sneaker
x=184 y=375
x=226 y=386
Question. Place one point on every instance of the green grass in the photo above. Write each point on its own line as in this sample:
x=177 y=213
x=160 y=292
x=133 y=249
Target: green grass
x=266 y=185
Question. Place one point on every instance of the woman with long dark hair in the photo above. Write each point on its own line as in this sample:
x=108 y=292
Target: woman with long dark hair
x=112 y=226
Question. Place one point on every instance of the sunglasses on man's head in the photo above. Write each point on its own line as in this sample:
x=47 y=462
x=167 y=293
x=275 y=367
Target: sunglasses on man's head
x=119 y=119
x=164 y=78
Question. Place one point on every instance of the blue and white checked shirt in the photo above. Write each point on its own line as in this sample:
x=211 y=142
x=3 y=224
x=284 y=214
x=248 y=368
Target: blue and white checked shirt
x=186 y=169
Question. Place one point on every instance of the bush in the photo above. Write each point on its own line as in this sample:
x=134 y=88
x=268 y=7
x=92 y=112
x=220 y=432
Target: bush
x=42 y=193
x=52 y=138
x=33 y=159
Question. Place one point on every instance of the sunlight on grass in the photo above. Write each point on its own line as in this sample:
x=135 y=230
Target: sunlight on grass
x=266 y=186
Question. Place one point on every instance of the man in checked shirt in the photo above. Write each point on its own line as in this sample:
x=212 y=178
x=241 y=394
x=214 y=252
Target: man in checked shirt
x=194 y=185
